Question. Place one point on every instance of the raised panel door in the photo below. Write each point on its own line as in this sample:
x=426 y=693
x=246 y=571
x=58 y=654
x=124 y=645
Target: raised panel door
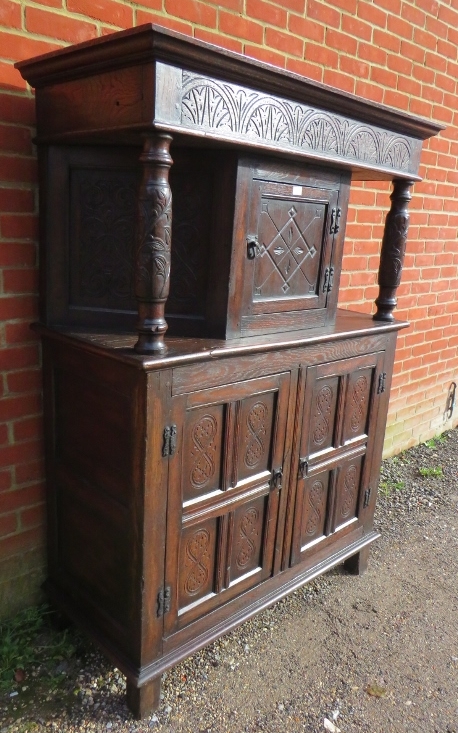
x=224 y=485
x=339 y=415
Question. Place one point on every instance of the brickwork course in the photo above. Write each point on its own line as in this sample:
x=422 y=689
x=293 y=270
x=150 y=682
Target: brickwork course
x=402 y=53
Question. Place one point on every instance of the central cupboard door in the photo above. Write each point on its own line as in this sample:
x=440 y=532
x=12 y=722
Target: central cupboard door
x=225 y=481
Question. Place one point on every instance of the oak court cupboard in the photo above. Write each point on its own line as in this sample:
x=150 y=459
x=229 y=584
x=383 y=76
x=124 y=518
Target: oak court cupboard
x=214 y=424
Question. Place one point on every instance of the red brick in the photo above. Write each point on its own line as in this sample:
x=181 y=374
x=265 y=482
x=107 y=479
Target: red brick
x=19 y=226
x=14 y=454
x=4 y=435
x=266 y=55
x=5 y=479
x=21 y=542
x=355 y=27
x=235 y=5
x=58 y=26
x=20 y=281
x=425 y=39
x=386 y=40
x=16 y=199
x=18 y=357
x=29 y=380
x=14 y=407
x=354 y=67
x=341 y=41
x=192 y=10
x=372 y=53
x=233 y=25
x=321 y=55
x=306 y=28
x=33 y=517
x=303 y=68
x=268 y=13
x=436 y=27
x=18 y=254
x=444 y=48
x=15 y=307
x=349 y=6
x=10 y=77
x=393 y=6
x=10 y=14
x=413 y=15
x=400 y=27
x=284 y=42
x=111 y=12
x=400 y=65
x=384 y=77
x=14 y=168
x=298 y=6
x=30 y=471
x=409 y=86
x=145 y=16
x=18 y=47
x=373 y=15
x=434 y=61
x=30 y=427
x=230 y=43
x=338 y=80
x=8 y=524
x=18 y=498
x=19 y=332
x=412 y=51
x=323 y=13
x=17 y=109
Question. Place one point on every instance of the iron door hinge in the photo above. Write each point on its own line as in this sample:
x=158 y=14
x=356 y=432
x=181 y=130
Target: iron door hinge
x=277 y=478
x=335 y=220
x=381 y=383
x=164 y=599
x=328 y=279
x=169 y=445
x=303 y=467
x=450 y=404
x=367 y=497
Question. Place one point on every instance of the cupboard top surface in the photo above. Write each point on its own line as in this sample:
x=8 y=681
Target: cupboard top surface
x=151 y=77
x=181 y=351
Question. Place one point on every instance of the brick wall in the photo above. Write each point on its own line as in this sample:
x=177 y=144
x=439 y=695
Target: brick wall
x=402 y=53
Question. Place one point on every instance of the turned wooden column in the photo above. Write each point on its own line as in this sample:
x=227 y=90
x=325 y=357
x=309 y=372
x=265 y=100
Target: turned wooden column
x=152 y=267
x=393 y=250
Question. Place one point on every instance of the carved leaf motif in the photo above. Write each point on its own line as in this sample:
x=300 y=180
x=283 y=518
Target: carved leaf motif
x=153 y=254
x=349 y=491
x=213 y=105
x=323 y=404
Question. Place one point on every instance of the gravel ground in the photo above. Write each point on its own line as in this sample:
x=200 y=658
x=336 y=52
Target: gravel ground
x=370 y=654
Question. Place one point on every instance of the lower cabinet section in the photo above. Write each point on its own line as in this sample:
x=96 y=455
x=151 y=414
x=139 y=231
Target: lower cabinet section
x=237 y=480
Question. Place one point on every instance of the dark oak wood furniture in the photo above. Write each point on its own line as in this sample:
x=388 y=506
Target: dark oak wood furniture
x=195 y=479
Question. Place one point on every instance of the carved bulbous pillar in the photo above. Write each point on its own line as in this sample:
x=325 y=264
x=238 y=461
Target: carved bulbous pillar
x=393 y=250
x=152 y=267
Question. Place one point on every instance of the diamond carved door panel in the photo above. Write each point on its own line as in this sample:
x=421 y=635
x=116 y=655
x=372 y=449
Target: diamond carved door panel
x=337 y=435
x=224 y=488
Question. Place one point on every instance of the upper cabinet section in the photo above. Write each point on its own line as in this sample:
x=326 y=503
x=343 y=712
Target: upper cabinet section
x=148 y=78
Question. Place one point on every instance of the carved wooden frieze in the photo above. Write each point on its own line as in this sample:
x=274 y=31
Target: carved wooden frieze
x=238 y=112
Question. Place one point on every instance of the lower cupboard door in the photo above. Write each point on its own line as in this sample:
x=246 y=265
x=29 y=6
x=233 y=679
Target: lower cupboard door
x=225 y=482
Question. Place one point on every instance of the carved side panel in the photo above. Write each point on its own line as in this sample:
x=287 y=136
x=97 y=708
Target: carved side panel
x=290 y=237
x=314 y=508
x=347 y=491
x=323 y=416
x=197 y=562
x=202 y=457
x=191 y=240
x=357 y=404
x=248 y=536
x=102 y=238
x=255 y=435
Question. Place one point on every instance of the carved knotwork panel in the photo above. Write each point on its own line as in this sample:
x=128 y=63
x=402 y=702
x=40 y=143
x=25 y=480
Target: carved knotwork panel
x=248 y=537
x=202 y=455
x=102 y=238
x=290 y=238
x=314 y=508
x=240 y=112
x=197 y=562
x=323 y=417
x=357 y=404
x=255 y=434
x=348 y=491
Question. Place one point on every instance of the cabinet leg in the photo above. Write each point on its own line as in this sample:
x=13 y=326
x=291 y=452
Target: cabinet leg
x=357 y=564
x=143 y=700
